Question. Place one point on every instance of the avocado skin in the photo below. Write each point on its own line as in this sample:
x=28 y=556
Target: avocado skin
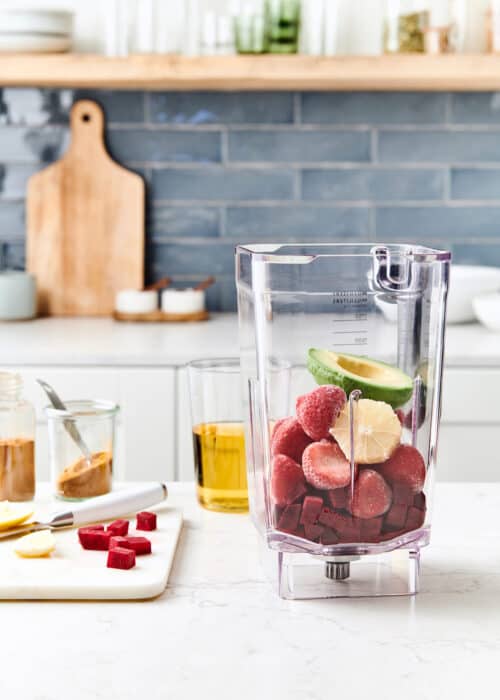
x=394 y=396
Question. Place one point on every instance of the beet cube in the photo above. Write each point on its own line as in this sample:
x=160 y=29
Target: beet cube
x=401 y=493
x=329 y=536
x=118 y=527
x=391 y=535
x=371 y=529
x=311 y=508
x=419 y=501
x=277 y=512
x=140 y=545
x=313 y=532
x=396 y=517
x=415 y=519
x=327 y=517
x=94 y=539
x=348 y=528
x=146 y=521
x=93 y=527
x=340 y=498
x=121 y=558
x=290 y=518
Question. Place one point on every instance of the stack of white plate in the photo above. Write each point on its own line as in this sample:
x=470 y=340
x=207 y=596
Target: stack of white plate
x=39 y=31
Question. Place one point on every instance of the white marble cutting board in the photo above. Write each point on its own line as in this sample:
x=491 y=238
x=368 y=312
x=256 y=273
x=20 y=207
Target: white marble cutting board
x=72 y=573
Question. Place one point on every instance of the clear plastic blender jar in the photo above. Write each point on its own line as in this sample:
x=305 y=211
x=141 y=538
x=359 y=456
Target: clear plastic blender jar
x=340 y=487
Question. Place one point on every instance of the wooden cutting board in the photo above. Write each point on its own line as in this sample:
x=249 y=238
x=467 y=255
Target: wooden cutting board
x=85 y=219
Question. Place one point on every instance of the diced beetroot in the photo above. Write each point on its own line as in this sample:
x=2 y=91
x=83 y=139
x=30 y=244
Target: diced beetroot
x=118 y=527
x=121 y=558
x=288 y=483
x=94 y=539
x=325 y=466
x=313 y=532
x=419 y=501
x=311 y=508
x=278 y=510
x=396 y=517
x=371 y=529
x=329 y=536
x=340 y=498
x=289 y=439
x=327 y=517
x=401 y=493
x=347 y=528
x=140 y=545
x=372 y=495
x=318 y=410
x=405 y=466
x=290 y=518
x=414 y=519
x=146 y=521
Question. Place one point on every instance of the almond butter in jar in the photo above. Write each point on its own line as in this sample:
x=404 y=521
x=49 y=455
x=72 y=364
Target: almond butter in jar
x=17 y=441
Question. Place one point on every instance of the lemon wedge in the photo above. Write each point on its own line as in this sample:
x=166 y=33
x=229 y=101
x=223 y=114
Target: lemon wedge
x=12 y=514
x=377 y=431
x=36 y=544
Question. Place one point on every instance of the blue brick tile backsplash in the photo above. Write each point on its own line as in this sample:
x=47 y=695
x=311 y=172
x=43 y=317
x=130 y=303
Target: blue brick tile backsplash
x=224 y=168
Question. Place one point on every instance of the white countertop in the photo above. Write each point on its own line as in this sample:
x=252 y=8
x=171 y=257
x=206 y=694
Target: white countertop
x=76 y=342
x=219 y=631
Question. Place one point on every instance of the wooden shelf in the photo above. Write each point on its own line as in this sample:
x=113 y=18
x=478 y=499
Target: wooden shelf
x=156 y=72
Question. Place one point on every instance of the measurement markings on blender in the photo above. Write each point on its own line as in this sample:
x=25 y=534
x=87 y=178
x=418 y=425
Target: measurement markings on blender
x=352 y=307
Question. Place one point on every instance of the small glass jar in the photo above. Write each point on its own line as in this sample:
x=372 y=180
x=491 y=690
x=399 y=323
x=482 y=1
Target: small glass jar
x=17 y=441
x=406 y=22
x=283 y=25
x=74 y=476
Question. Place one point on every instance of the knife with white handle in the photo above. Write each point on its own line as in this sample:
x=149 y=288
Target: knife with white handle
x=111 y=505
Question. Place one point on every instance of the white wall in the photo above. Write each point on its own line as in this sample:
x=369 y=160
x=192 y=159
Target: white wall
x=359 y=22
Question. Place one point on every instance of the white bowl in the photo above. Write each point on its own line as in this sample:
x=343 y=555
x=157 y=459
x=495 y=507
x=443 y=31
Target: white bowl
x=48 y=22
x=487 y=310
x=466 y=283
x=34 y=43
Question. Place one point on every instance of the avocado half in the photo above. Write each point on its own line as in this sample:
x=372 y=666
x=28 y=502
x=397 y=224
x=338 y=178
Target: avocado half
x=376 y=380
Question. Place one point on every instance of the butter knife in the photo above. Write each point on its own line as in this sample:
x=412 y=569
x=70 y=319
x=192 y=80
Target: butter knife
x=111 y=505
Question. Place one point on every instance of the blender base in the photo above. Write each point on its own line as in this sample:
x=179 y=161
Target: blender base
x=305 y=576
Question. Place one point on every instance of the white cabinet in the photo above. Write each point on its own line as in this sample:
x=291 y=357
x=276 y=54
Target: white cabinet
x=145 y=440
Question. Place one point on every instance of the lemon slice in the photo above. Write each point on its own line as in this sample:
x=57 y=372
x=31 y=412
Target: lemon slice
x=36 y=544
x=12 y=514
x=377 y=431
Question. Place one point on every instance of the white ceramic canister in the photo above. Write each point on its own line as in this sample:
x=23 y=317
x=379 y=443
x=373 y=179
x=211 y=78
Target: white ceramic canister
x=17 y=295
x=133 y=301
x=183 y=301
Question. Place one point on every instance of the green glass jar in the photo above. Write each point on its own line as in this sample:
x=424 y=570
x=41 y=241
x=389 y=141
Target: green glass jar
x=282 y=26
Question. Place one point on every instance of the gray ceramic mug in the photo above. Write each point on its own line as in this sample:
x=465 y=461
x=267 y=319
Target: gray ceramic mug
x=17 y=295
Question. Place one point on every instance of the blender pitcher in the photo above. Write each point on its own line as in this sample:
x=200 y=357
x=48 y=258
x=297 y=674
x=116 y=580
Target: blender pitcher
x=340 y=487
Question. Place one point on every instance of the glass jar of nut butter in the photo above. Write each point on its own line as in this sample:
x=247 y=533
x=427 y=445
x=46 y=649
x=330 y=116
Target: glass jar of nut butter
x=17 y=441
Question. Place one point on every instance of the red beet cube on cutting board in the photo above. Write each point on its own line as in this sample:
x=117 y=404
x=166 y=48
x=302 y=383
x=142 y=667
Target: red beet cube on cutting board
x=94 y=539
x=140 y=545
x=118 y=527
x=121 y=558
x=146 y=521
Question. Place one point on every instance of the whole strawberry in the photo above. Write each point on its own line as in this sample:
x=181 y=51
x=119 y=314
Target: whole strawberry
x=317 y=411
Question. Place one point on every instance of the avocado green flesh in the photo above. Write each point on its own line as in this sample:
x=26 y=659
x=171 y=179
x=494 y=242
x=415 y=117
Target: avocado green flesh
x=376 y=380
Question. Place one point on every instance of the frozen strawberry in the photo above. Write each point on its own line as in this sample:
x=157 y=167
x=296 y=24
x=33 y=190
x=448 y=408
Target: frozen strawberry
x=118 y=527
x=340 y=499
x=414 y=519
x=121 y=558
x=372 y=495
x=325 y=466
x=405 y=466
x=311 y=508
x=288 y=483
x=371 y=529
x=313 y=532
x=277 y=424
x=401 y=493
x=317 y=411
x=396 y=517
x=289 y=439
x=146 y=521
x=329 y=536
x=327 y=517
x=347 y=528
x=140 y=545
x=94 y=539
x=419 y=501
x=290 y=518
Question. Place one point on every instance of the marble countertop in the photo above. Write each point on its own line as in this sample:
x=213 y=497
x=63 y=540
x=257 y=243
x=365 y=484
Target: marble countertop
x=220 y=631
x=104 y=342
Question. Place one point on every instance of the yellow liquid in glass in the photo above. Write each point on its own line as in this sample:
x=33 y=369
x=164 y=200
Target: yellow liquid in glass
x=220 y=463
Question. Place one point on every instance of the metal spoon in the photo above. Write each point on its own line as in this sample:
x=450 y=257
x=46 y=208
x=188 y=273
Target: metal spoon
x=69 y=425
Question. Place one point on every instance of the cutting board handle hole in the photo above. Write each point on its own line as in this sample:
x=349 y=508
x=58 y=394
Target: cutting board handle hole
x=86 y=118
